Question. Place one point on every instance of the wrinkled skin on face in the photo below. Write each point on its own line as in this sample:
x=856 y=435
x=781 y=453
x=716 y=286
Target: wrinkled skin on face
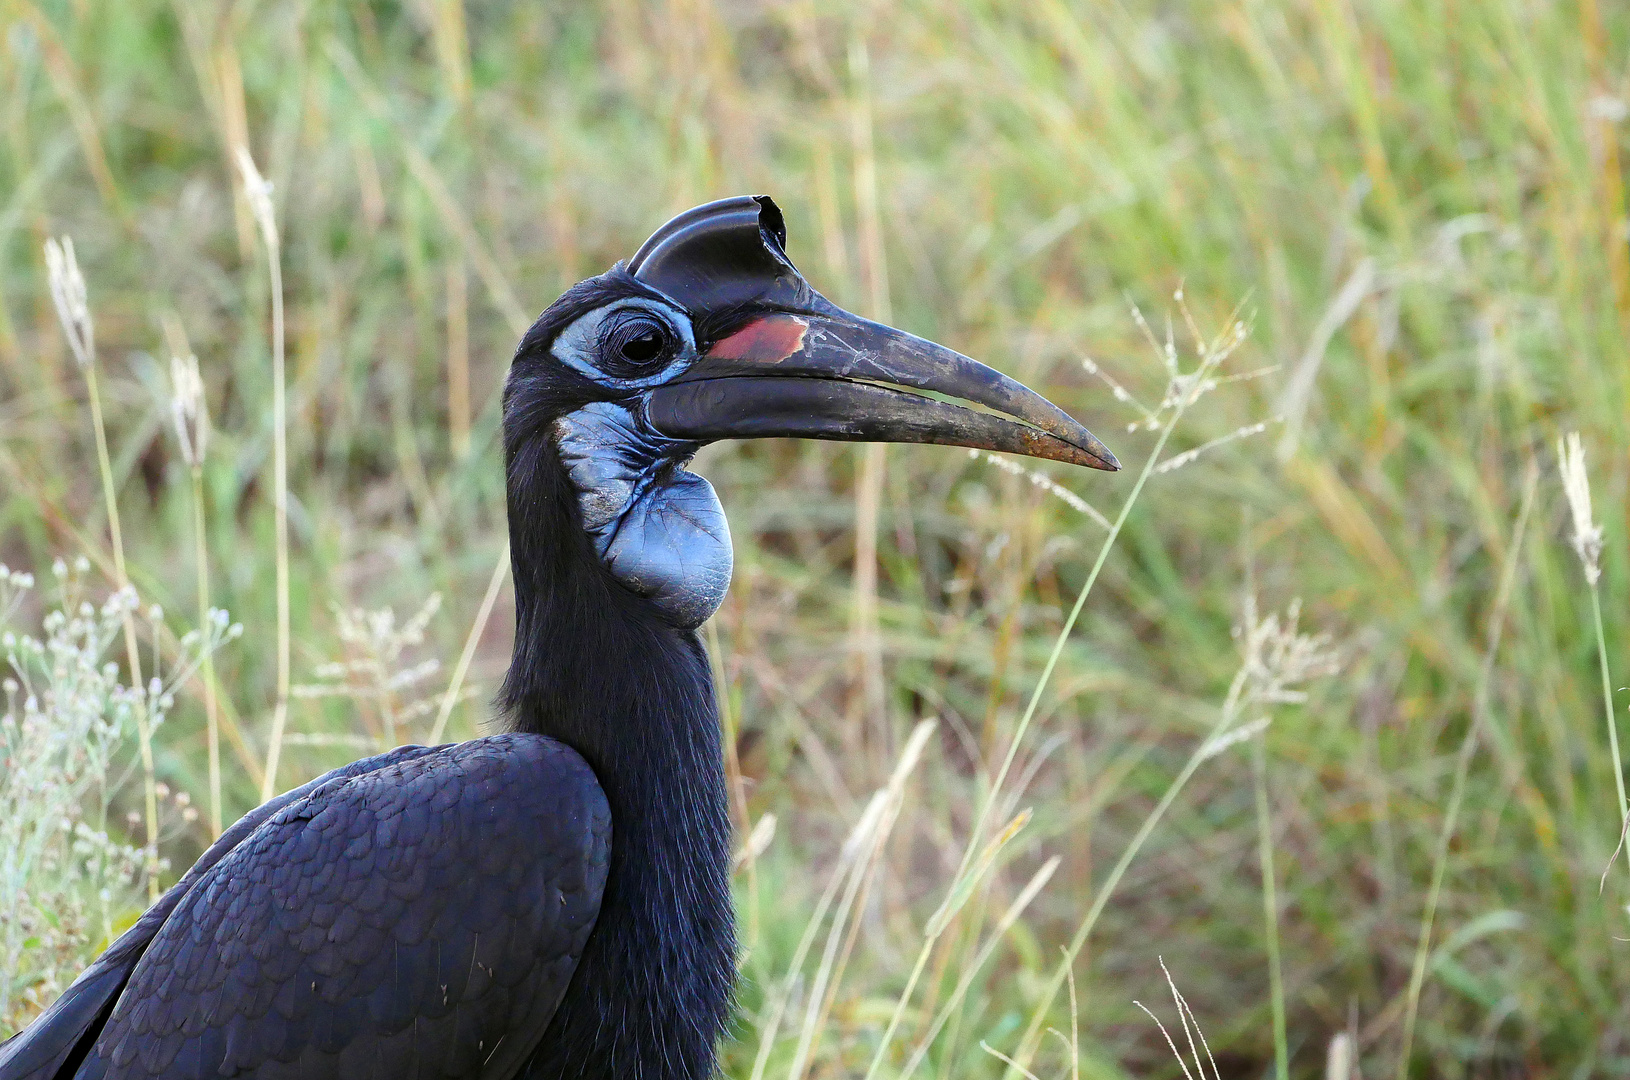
x=658 y=528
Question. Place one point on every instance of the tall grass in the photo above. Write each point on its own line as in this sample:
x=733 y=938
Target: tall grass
x=1416 y=211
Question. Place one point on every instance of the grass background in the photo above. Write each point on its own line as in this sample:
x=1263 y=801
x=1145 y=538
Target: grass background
x=1420 y=208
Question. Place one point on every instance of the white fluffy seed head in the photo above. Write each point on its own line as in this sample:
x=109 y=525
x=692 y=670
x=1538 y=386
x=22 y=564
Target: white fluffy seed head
x=68 y=294
x=187 y=410
x=1587 y=535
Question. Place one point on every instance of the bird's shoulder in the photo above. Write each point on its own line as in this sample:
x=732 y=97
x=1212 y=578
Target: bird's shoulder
x=428 y=904
x=39 y=1051
x=428 y=912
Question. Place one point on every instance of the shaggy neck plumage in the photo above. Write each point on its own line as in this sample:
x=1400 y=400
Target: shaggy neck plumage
x=596 y=668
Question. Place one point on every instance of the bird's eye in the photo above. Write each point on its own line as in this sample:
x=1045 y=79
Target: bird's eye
x=637 y=342
x=643 y=347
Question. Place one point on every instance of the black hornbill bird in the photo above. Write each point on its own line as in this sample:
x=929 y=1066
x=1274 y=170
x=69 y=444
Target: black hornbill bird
x=553 y=901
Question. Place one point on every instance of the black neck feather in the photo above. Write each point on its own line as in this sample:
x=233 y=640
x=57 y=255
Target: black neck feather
x=595 y=667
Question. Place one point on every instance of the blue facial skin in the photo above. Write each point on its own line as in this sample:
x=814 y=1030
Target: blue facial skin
x=658 y=528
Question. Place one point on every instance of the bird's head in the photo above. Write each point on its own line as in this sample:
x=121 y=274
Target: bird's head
x=711 y=333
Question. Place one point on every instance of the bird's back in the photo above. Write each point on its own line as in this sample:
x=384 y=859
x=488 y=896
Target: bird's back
x=420 y=913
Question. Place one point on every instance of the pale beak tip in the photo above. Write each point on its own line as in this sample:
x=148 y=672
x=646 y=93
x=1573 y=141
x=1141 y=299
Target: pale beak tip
x=1097 y=455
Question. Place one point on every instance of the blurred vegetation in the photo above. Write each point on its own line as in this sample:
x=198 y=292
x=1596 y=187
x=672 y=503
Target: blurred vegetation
x=1417 y=208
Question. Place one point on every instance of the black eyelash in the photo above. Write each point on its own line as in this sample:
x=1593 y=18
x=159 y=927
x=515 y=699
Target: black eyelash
x=634 y=344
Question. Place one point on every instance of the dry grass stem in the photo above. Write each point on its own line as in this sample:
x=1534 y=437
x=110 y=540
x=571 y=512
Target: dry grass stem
x=1009 y=1062
x=888 y=802
x=458 y=356
x=856 y=862
x=258 y=190
x=1191 y=1029
x=69 y=295
x=1270 y=904
x=874 y=273
x=1298 y=393
x=190 y=416
x=971 y=970
x=1463 y=760
x=455 y=685
x=757 y=843
x=1587 y=543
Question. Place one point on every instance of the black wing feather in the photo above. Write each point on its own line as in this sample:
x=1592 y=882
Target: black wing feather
x=419 y=919
x=62 y=1034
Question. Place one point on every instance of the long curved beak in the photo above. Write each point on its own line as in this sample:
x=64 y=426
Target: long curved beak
x=828 y=374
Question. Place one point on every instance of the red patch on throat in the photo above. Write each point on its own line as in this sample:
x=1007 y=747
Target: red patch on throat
x=769 y=340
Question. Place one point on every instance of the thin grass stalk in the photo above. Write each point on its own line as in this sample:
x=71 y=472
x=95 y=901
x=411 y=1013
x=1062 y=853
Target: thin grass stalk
x=858 y=887
x=1612 y=721
x=815 y=1015
x=855 y=860
x=873 y=871
x=874 y=456
x=952 y=948
x=144 y=733
x=1468 y=748
x=1607 y=702
x=1191 y=1028
x=970 y=971
x=955 y=949
x=458 y=358
x=260 y=202
x=1074 y=616
x=952 y=1032
x=901 y=1002
x=456 y=684
x=961 y=892
x=211 y=708
x=1032 y=1035
x=1270 y=906
x=68 y=295
x=1075 y=1031
x=847 y=857
x=189 y=413
x=1195 y=388
x=1587 y=544
x=280 y=454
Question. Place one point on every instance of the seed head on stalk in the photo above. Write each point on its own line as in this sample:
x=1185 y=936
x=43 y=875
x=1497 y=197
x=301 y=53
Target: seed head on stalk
x=187 y=409
x=68 y=294
x=1587 y=535
x=74 y=312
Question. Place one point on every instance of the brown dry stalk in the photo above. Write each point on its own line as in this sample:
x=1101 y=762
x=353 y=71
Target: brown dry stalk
x=867 y=637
